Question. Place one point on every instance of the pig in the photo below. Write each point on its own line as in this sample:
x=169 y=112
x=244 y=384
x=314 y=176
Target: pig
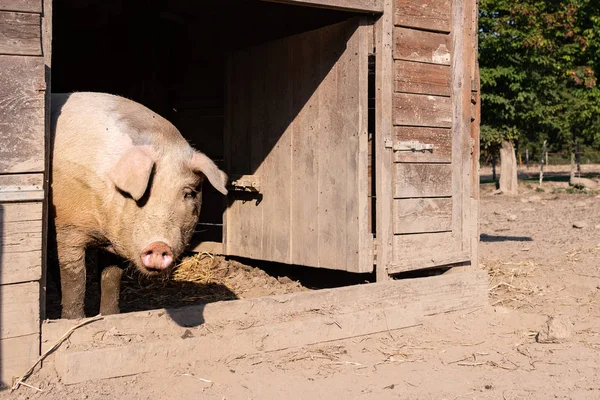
x=124 y=180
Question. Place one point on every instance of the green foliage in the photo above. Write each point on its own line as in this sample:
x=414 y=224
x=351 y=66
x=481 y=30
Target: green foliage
x=538 y=63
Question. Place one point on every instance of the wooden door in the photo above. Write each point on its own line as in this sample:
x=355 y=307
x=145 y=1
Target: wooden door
x=24 y=72
x=296 y=130
x=433 y=187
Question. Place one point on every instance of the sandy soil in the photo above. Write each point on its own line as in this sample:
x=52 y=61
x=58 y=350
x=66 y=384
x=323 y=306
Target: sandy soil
x=540 y=265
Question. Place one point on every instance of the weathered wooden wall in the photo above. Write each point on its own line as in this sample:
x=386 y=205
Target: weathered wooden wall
x=433 y=52
x=23 y=68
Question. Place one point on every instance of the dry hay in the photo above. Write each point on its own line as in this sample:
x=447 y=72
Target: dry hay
x=199 y=278
x=509 y=284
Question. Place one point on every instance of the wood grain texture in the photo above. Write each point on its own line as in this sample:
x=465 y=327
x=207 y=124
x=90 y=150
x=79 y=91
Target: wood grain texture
x=20 y=242
x=21 y=227
x=254 y=326
x=416 y=77
x=433 y=15
x=441 y=138
x=273 y=155
x=416 y=179
x=305 y=154
x=426 y=250
x=20 y=307
x=20 y=33
x=375 y=6
x=22 y=105
x=18 y=354
x=422 y=215
x=422 y=110
x=422 y=180
x=21 y=187
x=422 y=46
x=384 y=88
x=463 y=35
x=359 y=161
x=32 y=6
x=305 y=136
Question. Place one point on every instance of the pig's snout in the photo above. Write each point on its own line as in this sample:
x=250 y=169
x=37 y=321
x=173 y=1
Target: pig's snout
x=157 y=257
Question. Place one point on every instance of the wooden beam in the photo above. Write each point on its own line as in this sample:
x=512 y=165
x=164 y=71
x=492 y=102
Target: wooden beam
x=152 y=340
x=384 y=91
x=368 y=6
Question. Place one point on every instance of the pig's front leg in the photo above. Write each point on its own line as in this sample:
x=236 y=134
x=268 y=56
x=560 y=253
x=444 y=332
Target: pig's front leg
x=71 y=258
x=110 y=290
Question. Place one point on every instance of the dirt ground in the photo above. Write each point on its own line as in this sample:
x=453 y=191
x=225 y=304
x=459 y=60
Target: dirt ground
x=541 y=251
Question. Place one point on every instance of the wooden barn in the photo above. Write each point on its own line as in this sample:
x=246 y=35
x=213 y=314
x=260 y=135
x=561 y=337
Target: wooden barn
x=349 y=130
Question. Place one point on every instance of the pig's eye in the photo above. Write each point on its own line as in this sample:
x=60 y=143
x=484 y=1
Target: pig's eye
x=189 y=194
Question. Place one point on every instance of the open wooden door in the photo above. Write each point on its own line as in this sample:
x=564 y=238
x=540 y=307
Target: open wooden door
x=296 y=150
x=433 y=187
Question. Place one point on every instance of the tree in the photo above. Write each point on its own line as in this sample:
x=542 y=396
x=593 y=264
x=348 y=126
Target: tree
x=538 y=62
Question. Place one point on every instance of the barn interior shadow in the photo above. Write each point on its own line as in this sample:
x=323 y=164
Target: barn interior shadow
x=172 y=56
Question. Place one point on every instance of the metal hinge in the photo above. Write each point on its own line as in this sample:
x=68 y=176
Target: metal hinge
x=409 y=146
x=21 y=193
x=245 y=183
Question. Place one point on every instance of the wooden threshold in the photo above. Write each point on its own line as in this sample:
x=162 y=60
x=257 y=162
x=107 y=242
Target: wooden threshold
x=139 y=342
x=369 y=6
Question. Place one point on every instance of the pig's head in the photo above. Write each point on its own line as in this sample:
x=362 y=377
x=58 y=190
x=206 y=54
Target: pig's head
x=160 y=194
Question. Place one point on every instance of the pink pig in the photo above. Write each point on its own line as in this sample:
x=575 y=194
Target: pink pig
x=125 y=180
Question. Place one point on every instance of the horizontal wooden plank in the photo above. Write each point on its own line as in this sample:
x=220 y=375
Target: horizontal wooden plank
x=19 y=309
x=256 y=325
x=22 y=180
x=21 y=267
x=17 y=355
x=422 y=180
x=20 y=33
x=416 y=77
x=440 y=138
x=22 y=128
x=422 y=110
x=375 y=6
x=32 y=6
x=21 y=253
x=425 y=250
x=20 y=230
x=422 y=215
x=433 y=15
x=20 y=212
x=428 y=47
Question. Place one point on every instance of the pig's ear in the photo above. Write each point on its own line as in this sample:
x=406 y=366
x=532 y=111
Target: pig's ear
x=132 y=172
x=217 y=178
